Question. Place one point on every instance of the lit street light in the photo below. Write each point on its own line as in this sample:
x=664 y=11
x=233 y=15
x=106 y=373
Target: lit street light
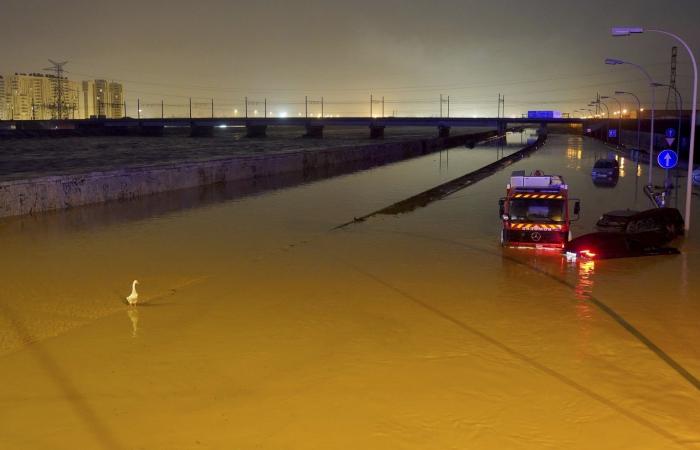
x=626 y=31
x=615 y=62
x=581 y=111
x=639 y=114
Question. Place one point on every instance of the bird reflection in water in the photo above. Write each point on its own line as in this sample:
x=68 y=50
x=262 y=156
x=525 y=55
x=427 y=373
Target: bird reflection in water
x=133 y=314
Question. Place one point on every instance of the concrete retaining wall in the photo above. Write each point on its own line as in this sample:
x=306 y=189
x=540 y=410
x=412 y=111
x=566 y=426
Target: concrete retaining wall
x=36 y=195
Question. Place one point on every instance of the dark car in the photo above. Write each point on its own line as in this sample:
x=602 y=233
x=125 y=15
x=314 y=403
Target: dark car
x=604 y=245
x=615 y=220
x=605 y=169
x=659 y=224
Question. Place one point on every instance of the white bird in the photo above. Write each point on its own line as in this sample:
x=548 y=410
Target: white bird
x=133 y=298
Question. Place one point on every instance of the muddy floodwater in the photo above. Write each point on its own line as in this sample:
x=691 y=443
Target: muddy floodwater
x=258 y=327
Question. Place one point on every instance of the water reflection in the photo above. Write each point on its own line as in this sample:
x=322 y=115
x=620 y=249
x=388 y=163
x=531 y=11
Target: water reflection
x=622 y=166
x=584 y=280
x=133 y=314
x=574 y=152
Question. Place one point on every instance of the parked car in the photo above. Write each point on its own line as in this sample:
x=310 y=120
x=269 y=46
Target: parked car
x=696 y=176
x=605 y=169
x=604 y=245
x=660 y=225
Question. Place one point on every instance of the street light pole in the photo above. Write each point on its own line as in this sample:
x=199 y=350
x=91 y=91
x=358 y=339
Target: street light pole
x=607 y=114
x=639 y=115
x=615 y=62
x=626 y=31
x=619 y=120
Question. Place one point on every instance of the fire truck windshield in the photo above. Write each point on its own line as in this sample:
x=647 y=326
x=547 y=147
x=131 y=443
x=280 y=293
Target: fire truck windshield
x=536 y=210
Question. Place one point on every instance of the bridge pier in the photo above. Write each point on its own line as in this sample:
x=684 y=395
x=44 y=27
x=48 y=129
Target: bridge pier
x=376 y=131
x=201 y=130
x=443 y=131
x=501 y=128
x=256 y=131
x=313 y=131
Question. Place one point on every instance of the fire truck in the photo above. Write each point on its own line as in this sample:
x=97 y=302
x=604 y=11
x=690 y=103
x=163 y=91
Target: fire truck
x=535 y=211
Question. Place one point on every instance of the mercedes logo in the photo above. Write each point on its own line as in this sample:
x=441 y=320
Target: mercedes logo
x=535 y=236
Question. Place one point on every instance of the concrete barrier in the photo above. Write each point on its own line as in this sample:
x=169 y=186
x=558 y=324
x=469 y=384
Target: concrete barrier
x=20 y=197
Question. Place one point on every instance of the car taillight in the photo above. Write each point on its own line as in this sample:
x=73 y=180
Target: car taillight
x=587 y=253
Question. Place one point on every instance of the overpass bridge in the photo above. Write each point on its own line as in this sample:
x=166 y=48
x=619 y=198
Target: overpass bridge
x=257 y=126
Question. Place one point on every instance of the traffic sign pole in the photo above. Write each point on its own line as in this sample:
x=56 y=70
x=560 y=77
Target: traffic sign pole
x=667 y=159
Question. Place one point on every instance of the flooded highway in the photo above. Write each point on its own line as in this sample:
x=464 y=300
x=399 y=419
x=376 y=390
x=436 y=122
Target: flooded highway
x=260 y=327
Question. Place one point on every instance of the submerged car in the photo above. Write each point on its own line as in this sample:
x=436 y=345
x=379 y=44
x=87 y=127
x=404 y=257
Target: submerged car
x=660 y=224
x=605 y=245
x=605 y=169
x=629 y=233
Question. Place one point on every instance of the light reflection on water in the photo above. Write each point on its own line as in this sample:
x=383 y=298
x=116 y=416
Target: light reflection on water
x=584 y=284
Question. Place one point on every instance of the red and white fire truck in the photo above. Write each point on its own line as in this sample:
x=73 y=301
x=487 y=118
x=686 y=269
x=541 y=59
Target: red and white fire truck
x=535 y=211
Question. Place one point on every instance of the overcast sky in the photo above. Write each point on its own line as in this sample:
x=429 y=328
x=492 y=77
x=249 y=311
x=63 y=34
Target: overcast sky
x=539 y=54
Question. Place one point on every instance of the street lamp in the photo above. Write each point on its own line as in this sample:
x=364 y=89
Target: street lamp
x=582 y=112
x=615 y=62
x=639 y=114
x=619 y=120
x=626 y=31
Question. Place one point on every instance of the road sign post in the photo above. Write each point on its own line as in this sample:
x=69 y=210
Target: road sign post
x=667 y=159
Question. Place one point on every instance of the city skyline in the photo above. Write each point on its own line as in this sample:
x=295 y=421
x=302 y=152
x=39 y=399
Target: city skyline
x=39 y=96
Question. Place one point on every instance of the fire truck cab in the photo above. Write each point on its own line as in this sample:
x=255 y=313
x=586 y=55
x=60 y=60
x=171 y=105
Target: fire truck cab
x=535 y=211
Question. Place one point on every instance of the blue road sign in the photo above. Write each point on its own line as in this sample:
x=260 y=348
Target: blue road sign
x=667 y=159
x=612 y=133
x=670 y=133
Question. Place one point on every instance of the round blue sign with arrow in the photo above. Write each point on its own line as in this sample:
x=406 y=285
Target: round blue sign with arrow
x=667 y=159
x=670 y=132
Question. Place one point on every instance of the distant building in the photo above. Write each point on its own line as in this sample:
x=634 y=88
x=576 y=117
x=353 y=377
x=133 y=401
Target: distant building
x=36 y=96
x=103 y=98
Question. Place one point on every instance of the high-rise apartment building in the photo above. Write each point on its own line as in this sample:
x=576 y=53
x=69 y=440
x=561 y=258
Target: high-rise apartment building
x=35 y=96
x=103 y=98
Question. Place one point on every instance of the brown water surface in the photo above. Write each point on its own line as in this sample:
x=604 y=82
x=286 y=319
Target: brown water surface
x=260 y=328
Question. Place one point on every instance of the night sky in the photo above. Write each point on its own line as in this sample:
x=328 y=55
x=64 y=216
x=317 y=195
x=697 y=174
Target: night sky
x=540 y=54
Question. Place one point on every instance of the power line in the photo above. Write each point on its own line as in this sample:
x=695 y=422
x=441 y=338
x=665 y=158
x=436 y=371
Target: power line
x=57 y=68
x=672 y=82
